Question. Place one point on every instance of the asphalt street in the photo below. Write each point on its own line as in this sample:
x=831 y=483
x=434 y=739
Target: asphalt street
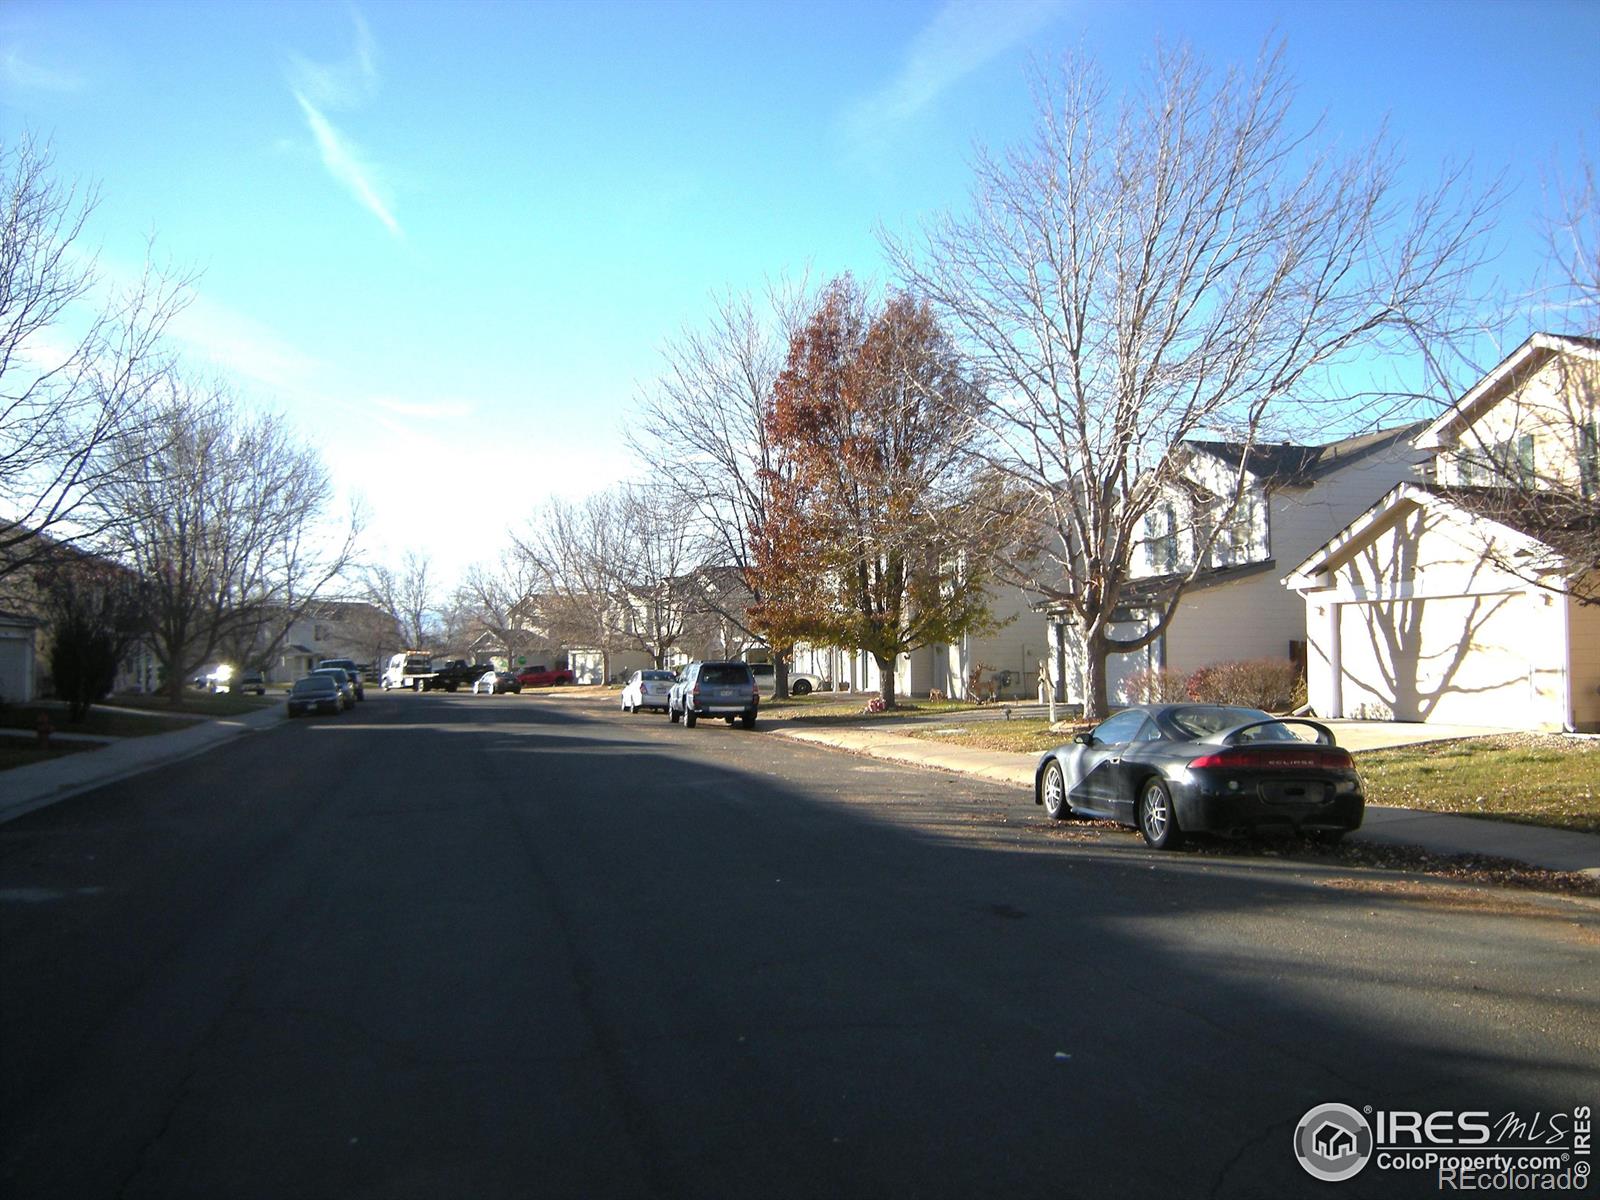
x=471 y=946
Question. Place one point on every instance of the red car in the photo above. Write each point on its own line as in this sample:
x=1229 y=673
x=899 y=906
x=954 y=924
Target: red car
x=542 y=676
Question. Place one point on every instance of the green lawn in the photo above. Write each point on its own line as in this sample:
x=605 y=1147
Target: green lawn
x=1538 y=779
x=98 y=722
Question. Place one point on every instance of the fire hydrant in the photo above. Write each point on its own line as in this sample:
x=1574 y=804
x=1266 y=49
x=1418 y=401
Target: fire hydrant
x=44 y=730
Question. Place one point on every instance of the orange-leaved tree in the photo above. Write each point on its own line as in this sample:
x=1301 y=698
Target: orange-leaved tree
x=874 y=539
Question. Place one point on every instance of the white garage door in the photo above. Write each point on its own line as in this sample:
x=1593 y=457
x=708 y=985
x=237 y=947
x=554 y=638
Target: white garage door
x=1456 y=659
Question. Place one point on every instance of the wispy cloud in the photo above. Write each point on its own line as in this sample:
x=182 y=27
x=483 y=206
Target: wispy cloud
x=340 y=85
x=24 y=75
x=962 y=37
x=345 y=165
x=319 y=88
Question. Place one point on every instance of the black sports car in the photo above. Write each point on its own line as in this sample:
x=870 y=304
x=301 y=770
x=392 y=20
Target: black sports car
x=1171 y=769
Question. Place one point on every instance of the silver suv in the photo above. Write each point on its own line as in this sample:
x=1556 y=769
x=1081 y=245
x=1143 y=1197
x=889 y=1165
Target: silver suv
x=715 y=689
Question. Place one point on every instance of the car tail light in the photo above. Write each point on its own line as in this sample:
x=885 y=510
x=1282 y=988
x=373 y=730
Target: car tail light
x=1276 y=759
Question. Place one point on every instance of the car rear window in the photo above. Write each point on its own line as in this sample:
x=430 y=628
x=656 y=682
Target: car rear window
x=659 y=676
x=1205 y=720
x=311 y=686
x=724 y=674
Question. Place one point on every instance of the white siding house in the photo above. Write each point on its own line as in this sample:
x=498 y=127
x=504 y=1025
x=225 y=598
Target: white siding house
x=1445 y=601
x=1294 y=497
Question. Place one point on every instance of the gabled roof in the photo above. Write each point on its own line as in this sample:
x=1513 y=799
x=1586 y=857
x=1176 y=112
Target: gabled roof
x=1513 y=370
x=1287 y=465
x=1539 y=519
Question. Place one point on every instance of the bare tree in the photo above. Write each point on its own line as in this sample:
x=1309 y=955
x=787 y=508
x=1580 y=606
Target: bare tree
x=618 y=571
x=1572 y=239
x=1181 y=263
x=407 y=596
x=702 y=427
x=74 y=373
x=223 y=516
x=500 y=601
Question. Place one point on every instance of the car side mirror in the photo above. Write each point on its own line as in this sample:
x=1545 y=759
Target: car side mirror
x=1083 y=739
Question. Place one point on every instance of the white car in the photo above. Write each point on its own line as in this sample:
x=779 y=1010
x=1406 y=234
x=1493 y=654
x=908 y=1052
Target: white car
x=801 y=683
x=647 y=689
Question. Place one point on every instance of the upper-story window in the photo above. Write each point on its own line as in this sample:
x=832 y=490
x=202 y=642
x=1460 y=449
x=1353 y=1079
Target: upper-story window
x=1236 y=539
x=1512 y=460
x=1161 y=537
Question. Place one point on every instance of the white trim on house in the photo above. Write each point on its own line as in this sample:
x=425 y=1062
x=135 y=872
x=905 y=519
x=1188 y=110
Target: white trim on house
x=1442 y=434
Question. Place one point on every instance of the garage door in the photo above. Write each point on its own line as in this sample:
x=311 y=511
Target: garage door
x=1456 y=659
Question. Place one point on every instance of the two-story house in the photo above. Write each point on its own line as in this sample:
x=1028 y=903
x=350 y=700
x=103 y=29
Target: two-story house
x=1292 y=498
x=1460 y=596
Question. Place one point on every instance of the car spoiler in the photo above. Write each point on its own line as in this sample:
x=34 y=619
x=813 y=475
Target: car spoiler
x=1324 y=734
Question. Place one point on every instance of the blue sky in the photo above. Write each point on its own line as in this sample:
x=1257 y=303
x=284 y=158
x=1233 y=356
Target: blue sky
x=460 y=233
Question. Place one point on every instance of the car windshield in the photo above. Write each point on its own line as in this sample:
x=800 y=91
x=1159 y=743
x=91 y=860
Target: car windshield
x=314 y=685
x=1208 y=720
x=724 y=674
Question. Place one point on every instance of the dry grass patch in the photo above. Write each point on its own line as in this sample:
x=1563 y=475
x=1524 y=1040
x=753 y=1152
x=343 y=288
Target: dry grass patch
x=99 y=722
x=201 y=704
x=1533 y=778
x=19 y=752
x=1023 y=736
x=840 y=708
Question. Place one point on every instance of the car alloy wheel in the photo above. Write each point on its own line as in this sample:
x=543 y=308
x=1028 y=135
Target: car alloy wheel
x=802 y=687
x=1157 y=822
x=1053 y=792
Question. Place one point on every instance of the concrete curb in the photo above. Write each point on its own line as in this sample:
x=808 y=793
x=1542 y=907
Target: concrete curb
x=26 y=789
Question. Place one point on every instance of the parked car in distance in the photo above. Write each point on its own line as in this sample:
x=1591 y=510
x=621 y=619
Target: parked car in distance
x=723 y=689
x=801 y=683
x=351 y=670
x=340 y=676
x=495 y=682
x=1172 y=769
x=250 y=681
x=647 y=689
x=314 y=694
x=542 y=676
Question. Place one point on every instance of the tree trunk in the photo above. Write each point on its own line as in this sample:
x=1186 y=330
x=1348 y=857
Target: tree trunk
x=1095 y=705
x=886 y=680
x=780 y=674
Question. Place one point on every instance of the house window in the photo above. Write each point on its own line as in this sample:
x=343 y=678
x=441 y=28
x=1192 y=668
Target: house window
x=1511 y=461
x=1237 y=536
x=1161 y=537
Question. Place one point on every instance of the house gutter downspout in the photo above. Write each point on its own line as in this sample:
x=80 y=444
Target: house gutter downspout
x=1567 y=722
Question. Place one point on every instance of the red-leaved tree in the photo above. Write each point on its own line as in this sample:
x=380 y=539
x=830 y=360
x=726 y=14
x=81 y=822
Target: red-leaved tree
x=872 y=536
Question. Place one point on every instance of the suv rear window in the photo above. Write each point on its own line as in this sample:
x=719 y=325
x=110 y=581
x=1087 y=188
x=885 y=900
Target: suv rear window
x=725 y=674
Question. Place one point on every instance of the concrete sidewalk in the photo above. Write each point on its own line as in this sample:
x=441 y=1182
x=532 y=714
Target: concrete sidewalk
x=26 y=788
x=1551 y=849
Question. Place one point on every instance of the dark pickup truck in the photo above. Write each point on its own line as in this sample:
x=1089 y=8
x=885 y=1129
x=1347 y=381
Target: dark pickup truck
x=458 y=673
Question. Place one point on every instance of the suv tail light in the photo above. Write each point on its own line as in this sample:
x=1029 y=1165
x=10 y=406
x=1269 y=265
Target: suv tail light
x=1276 y=759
